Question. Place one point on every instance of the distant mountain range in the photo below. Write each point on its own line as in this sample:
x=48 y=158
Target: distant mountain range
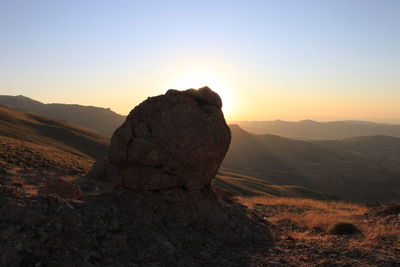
x=365 y=168
x=103 y=120
x=358 y=169
x=313 y=130
x=32 y=141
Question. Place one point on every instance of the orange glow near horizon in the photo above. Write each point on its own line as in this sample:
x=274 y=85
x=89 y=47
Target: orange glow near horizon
x=218 y=84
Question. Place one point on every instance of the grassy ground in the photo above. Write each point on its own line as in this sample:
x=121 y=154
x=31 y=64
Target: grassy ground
x=302 y=228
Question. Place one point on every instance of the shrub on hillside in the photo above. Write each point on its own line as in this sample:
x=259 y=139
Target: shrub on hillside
x=343 y=228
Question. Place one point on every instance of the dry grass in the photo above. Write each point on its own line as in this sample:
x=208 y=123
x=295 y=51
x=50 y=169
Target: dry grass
x=307 y=204
x=308 y=220
x=311 y=215
x=378 y=236
x=308 y=214
x=19 y=154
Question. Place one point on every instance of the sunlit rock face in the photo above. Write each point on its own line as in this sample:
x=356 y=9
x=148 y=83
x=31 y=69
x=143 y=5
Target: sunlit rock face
x=178 y=139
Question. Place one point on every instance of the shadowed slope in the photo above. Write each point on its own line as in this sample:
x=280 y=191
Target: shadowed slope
x=52 y=132
x=362 y=168
x=242 y=185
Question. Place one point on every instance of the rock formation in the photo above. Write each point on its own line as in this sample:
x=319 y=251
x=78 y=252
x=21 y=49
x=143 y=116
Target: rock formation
x=174 y=140
x=164 y=211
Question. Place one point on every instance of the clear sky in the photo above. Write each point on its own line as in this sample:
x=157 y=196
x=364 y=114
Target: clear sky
x=290 y=60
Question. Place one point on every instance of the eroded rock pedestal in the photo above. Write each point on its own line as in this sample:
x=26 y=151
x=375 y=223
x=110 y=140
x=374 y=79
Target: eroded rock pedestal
x=174 y=140
x=163 y=211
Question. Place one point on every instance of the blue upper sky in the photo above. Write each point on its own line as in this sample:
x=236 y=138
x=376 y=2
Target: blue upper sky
x=337 y=59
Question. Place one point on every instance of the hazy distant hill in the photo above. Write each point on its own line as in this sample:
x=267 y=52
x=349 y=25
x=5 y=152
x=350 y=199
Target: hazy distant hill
x=308 y=129
x=361 y=168
x=99 y=119
x=53 y=133
x=358 y=168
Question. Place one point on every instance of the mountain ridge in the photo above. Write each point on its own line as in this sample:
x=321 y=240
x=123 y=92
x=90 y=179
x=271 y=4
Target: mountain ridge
x=103 y=120
x=314 y=130
x=355 y=169
x=26 y=145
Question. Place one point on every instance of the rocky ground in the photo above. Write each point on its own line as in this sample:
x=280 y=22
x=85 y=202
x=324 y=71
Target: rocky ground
x=104 y=230
x=169 y=228
x=163 y=209
x=152 y=202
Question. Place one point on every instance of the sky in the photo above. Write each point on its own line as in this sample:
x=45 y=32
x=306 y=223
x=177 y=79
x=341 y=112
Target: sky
x=290 y=60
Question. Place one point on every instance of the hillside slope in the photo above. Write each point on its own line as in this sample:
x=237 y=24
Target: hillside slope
x=102 y=120
x=313 y=130
x=17 y=155
x=241 y=185
x=51 y=132
x=30 y=141
x=359 y=169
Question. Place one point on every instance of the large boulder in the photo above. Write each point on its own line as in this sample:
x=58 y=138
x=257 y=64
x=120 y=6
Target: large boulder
x=167 y=145
x=174 y=140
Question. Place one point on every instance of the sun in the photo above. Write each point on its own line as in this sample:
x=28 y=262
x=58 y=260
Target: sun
x=201 y=79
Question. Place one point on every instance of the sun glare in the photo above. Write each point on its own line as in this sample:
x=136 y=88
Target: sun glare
x=197 y=80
